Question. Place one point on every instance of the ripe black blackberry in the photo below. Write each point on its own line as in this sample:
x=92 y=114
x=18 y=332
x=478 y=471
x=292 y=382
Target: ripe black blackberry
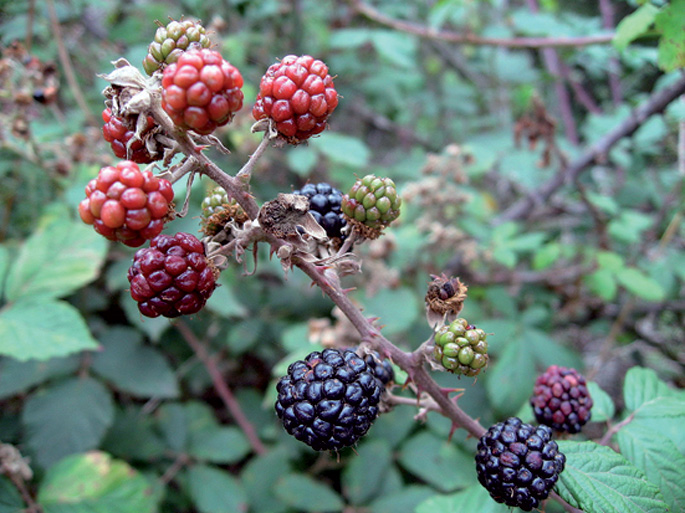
x=561 y=399
x=324 y=204
x=381 y=367
x=518 y=463
x=328 y=400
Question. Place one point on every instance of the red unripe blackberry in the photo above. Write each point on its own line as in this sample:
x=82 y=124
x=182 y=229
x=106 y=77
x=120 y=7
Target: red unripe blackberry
x=561 y=399
x=518 y=463
x=172 y=277
x=201 y=91
x=120 y=133
x=126 y=204
x=328 y=400
x=298 y=94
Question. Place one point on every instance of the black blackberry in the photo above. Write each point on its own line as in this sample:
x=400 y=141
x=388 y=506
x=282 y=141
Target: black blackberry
x=324 y=204
x=328 y=400
x=381 y=367
x=561 y=399
x=518 y=463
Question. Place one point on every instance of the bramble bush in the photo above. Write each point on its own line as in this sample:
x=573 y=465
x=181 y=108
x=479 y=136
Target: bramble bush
x=445 y=275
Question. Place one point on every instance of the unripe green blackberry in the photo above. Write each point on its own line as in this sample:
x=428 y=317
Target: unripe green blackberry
x=372 y=202
x=171 y=41
x=218 y=209
x=461 y=348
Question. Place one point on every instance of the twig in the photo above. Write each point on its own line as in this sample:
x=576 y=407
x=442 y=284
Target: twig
x=32 y=505
x=607 y=12
x=472 y=39
x=178 y=464
x=221 y=387
x=246 y=171
x=615 y=429
x=66 y=64
x=579 y=91
x=657 y=102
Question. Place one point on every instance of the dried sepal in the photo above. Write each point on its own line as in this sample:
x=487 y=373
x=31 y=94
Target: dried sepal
x=444 y=299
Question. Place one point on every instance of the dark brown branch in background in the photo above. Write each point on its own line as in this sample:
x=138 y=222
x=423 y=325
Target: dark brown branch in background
x=453 y=37
x=656 y=103
x=579 y=91
x=221 y=387
x=66 y=65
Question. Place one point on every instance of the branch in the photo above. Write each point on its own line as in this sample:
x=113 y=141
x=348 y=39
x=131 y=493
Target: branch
x=656 y=103
x=453 y=37
x=221 y=387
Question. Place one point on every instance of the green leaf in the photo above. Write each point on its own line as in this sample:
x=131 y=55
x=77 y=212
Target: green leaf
x=343 y=149
x=602 y=405
x=95 y=483
x=634 y=25
x=510 y=378
x=596 y=478
x=547 y=351
x=397 y=47
x=56 y=260
x=505 y=256
x=303 y=493
x=546 y=255
x=364 y=475
x=17 y=377
x=224 y=302
x=10 y=499
x=218 y=444
x=665 y=415
x=603 y=283
x=215 y=491
x=67 y=418
x=642 y=385
x=133 y=436
x=610 y=260
x=302 y=160
x=42 y=329
x=671 y=23
x=397 y=308
x=659 y=458
x=474 y=498
x=640 y=284
x=404 y=500
x=259 y=477
x=152 y=327
x=439 y=462
x=134 y=368
x=4 y=265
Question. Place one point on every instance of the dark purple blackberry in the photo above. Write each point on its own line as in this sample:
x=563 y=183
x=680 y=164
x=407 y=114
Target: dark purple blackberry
x=328 y=400
x=381 y=367
x=518 y=463
x=561 y=399
x=324 y=204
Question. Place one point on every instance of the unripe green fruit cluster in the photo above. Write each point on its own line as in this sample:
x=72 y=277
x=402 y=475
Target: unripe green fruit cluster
x=215 y=202
x=372 y=201
x=461 y=348
x=171 y=41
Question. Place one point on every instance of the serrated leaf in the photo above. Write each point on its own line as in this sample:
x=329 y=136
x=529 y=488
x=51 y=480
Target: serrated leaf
x=306 y=494
x=634 y=25
x=363 y=476
x=259 y=476
x=343 y=149
x=10 y=499
x=215 y=491
x=603 y=283
x=610 y=260
x=504 y=256
x=659 y=458
x=56 y=260
x=474 y=498
x=671 y=23
x=42 y=329
x=439 y=462
x=642 y=385
x=638 y=283
x=133 y=436
x=510 y=378
x=52 y=433
x=397 y=308
x=134 y=368
x=218 y=444
x=95 y=483
x=17 y=377
x=665 y=415
x=546 y=255
x=596 y=478
x=602 y=405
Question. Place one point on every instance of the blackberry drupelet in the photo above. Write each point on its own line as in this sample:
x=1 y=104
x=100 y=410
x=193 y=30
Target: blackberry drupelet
x=561 y=399
x=518 y=463
x=324 y=205
x=328 y=400
x=381 y=367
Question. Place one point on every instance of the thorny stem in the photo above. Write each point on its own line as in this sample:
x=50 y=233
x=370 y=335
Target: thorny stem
x=221 y=387
x=246 y=171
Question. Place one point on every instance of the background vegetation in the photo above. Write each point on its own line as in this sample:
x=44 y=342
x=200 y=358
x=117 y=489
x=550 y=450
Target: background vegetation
x=540 y=150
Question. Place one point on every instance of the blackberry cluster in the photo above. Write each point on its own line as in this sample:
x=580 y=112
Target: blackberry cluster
x=561 y=399
x=171 y=41
x=518 y=463
x=461 y=348
x=324 y=205
x=371 y=204
x=381 y=368
x=172 y=277
x=328 y=400
x=120 y=133
x=218 y=210
x=298 y=94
